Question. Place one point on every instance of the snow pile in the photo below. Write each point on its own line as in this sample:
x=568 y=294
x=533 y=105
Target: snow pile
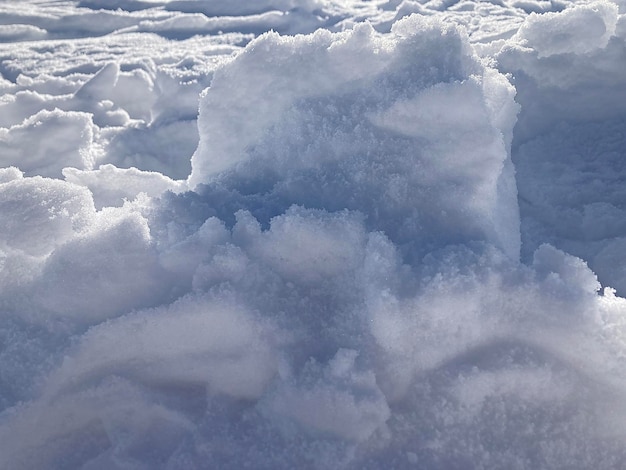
x=338 y=283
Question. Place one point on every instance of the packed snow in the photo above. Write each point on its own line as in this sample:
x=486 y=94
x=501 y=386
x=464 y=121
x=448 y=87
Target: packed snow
x=322 y=234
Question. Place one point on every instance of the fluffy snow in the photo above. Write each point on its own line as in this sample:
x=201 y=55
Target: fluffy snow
x=332 y=234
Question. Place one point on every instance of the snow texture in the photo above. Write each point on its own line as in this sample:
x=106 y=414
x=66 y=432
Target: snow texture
x=331 y=234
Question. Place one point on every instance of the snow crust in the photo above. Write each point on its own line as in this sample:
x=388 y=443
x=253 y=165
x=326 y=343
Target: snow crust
x=396 y=241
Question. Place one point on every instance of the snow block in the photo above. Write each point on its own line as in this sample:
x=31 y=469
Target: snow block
x=409 y=128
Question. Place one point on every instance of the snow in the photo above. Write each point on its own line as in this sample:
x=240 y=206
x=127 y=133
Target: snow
x=362 y=134
x=327 y=234
x=578 y=30
x=67 y=133
x=570 y=134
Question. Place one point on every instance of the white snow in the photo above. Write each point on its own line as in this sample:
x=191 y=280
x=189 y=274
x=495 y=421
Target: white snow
x=332 y=234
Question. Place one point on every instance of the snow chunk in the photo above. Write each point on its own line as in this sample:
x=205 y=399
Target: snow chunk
x=410 y=129
x=337 y=400
x=565 y=270
x=9 y=174
x=107 y=271
x=40 y=214
x=101 y=84
x=579 y=30
x=111 y=185
x=49 y=141
x=304 y=245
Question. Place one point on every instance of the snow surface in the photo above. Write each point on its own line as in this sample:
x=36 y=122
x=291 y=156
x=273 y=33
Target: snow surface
x=326 y=234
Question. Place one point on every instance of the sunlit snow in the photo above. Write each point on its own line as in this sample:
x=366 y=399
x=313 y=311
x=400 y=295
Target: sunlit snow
x=316 y=234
